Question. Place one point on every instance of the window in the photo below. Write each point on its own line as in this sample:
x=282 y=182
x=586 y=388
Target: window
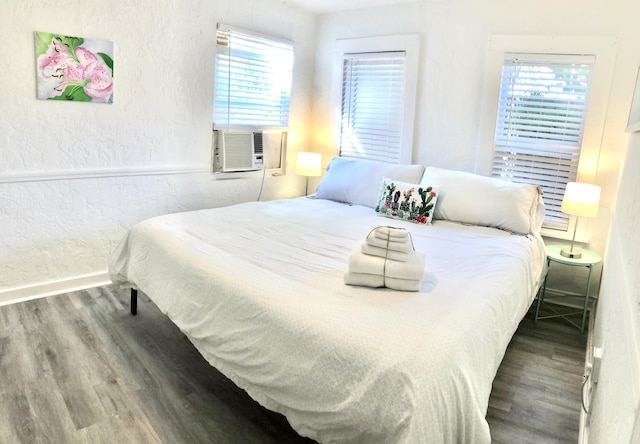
x=564 y=146
x=377 y=82
x=252 y=79
x=372 y=93
x=540 y=124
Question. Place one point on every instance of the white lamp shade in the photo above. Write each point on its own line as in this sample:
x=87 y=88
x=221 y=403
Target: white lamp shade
x=309 y=164
x=581 y=199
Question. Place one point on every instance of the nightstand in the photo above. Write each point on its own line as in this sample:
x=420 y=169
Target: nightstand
x=588 y=259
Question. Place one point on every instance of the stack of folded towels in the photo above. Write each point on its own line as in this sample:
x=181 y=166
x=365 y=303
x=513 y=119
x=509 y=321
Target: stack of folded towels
x=386 y=259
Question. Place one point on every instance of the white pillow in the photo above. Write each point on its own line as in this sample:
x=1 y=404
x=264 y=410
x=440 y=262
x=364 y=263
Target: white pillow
x=479 y=200
x=357 y=181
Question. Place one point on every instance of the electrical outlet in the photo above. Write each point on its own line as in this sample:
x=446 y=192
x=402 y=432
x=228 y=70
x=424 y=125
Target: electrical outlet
x=595 y=364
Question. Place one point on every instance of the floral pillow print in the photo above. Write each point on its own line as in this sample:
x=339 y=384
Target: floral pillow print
x=406 y=201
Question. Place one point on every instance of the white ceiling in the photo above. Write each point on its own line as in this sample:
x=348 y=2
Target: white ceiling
x=322 y=6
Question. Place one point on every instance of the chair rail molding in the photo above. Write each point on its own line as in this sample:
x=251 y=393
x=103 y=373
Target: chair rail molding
x=96 y=173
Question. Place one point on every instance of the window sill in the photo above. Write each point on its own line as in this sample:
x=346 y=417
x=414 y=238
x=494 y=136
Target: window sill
x=231 y=175
x=563 y=235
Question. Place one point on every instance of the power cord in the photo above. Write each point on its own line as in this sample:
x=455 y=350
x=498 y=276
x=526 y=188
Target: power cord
x=264 y=172
x=584 y=384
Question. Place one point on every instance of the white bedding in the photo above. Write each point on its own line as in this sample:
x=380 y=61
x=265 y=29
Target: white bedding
x=258 y=288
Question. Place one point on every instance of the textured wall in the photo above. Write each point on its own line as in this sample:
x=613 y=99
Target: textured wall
x=160 y=119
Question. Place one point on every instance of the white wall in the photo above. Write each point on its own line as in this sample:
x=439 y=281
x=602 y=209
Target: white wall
x=616 y=398
x=160 y=120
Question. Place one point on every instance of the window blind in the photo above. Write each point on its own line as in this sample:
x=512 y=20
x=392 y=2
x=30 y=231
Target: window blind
x=252 y=79
x=372 y=105
x=540 y=124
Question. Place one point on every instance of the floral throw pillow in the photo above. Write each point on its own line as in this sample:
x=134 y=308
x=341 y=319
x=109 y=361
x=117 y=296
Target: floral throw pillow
x=406 y=201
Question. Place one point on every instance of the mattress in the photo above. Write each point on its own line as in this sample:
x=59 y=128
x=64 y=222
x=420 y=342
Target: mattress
x=258 y=289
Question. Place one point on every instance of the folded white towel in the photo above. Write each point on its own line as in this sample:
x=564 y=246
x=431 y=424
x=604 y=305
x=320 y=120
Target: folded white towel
x=376 y=281
x=383 y=252
x=412 y=269
x=404 y=246
x=394 y=233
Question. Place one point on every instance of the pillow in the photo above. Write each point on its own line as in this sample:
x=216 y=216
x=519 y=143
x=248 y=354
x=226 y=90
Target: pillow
x=479 y=200
x=357 y=181
x=406 y=201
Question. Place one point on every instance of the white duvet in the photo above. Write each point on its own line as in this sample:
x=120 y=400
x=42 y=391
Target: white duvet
x=258 y=288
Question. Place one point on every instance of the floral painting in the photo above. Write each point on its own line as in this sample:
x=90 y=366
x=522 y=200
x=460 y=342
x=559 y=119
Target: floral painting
x=74 y=68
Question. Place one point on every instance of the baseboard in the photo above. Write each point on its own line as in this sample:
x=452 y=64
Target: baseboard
x=44 y=289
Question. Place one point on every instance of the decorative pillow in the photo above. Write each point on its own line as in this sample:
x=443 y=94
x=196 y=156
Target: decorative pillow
x=479 y=200
x=356 y=181
x=407 y=201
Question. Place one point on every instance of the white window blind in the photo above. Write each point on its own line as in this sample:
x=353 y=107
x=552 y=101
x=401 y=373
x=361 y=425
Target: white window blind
x=540 y=124
x=252 y=79
x=372 y=105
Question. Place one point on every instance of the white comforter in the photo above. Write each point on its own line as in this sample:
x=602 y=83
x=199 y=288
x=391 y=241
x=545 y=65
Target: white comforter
x=258 y=288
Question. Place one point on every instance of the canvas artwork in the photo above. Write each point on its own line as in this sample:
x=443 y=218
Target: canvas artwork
x=74 y=68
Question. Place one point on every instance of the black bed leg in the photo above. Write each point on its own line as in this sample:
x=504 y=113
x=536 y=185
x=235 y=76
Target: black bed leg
x=134 y=301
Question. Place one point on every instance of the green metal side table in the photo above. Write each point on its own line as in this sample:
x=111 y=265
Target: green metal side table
x=588 y=259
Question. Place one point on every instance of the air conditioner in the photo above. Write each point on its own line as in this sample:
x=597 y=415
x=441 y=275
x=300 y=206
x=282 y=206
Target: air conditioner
x=237 y=151
x=248 y=150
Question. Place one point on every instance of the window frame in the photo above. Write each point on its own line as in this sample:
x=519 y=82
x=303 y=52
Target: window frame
x=409 y=44
x=269 y=39
x=604 y=50
x=539 y=129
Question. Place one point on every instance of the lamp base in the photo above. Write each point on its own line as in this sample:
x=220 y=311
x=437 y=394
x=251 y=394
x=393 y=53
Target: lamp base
x=571 y=253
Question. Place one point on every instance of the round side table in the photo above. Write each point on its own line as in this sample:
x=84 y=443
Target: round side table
x=588 y=259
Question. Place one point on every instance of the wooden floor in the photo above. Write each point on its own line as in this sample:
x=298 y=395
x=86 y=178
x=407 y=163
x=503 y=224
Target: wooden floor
x=536 y=394
x=79 y=368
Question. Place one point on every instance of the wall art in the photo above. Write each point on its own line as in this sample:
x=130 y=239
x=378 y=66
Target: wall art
x=74 y=68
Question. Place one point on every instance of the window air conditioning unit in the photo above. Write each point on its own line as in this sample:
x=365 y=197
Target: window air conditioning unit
x=237 y=151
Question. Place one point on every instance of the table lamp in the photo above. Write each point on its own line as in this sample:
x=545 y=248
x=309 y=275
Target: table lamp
x=580 y=199
x=308 y=164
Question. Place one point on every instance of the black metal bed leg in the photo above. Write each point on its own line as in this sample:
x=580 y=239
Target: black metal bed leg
x=134 y=301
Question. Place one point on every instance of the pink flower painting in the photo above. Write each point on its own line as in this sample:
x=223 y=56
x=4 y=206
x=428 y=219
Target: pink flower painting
x=74 y=68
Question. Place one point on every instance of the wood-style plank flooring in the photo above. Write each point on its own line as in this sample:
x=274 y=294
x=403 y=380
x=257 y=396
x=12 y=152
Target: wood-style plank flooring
x=536 y=394
x=79 y=368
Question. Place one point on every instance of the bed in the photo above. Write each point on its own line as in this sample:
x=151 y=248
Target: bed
x=259 y=289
